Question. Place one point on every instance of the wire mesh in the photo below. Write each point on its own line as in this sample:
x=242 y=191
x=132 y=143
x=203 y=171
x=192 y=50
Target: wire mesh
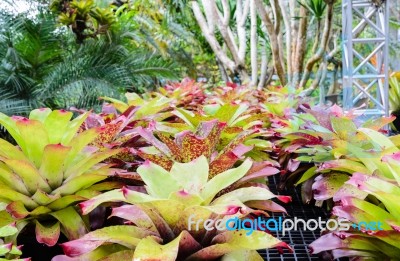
x=300 y=239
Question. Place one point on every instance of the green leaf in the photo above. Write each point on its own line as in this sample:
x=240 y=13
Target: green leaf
x=223 y=180
x=5 y=218
x=11 y=127
x=9 y=178
x=110 y=196
x=78 y=143
x=344 y=127
x=242 y=255
x=190 y=118
x=12 y=195
x=8 y=230
x=43 y=198
x=149 y=249
x=56 y=125
x=5 y=248
x=88 y=162
x=75 y=184
x=378 y=138
x=72 y=224
x=307 y=175
x=41 y=210
x=245 y=194
x=128 y=236
x=191 y=176
x=121 y=255
x=29 y=174
x=40 y=114
x=230 y=241
x=159 y=182
x=65 y=202
x=10 y=151
x=35 y=138
x=73 y=127
x=52 y=168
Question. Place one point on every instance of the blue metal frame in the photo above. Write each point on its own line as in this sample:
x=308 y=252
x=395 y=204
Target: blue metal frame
x=365 y=37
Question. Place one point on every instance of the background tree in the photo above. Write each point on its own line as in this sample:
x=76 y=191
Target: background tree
x=233 y=30
x=44 y=63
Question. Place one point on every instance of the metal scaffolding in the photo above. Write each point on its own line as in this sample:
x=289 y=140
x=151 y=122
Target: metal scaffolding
x=365 y=56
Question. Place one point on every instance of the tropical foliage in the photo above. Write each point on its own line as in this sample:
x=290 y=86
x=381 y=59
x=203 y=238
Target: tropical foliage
x=43 y=65
x=124 y=166
x=9 y=251
x=193 y=157
x=160 y=216
x=49 y=171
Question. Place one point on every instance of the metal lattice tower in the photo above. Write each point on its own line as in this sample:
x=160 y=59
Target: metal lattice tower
x=365 y=56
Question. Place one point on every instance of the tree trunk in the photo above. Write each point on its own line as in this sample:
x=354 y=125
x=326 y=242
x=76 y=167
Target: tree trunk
x=273 y=40
x=322 y=49
x=286 y=21
x=264 y=67
x=294 y=29
x=222 y=71
x=317 y=33
x=206 y=27
x=301 y=46
x=253 y=43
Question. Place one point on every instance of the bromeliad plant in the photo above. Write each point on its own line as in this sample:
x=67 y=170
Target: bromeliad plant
x=362 y=153
x=50 y=170
x=147 y=107
x=188 y=93
x=187 y=146
x=325 y=140
x=373 y=199
x=159 y=227
x=117 y=133
x=9 y=251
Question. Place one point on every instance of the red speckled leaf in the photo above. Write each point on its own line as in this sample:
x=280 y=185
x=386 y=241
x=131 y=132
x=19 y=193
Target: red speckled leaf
x=173 y=146
x=210 y=129
x=201 y=143
x=193 y=147
x=157 y=159
x=231 y=153
x=233 y=130
x=222 y=163
x=107 y=134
